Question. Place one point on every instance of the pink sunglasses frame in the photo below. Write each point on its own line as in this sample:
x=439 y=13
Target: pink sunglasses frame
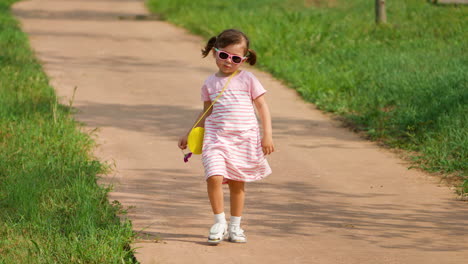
x=229 y=56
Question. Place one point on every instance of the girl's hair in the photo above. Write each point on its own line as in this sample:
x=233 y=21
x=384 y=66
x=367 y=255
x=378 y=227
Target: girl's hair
x=230 y=37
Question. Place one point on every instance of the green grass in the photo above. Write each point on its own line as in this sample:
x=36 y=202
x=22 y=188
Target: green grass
x=404 y=83
x=51 y=208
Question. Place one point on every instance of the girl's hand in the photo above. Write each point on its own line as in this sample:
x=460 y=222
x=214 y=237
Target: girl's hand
x=183 y=142
x=267 y=145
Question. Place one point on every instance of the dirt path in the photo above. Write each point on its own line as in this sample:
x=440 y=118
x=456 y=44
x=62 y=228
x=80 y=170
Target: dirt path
x=333 y=198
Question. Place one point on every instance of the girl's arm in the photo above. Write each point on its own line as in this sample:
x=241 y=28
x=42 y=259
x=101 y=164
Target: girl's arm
x=264 y=113
x=183 y=139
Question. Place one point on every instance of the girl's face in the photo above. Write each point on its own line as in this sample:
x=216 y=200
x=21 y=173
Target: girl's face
x=227 y=66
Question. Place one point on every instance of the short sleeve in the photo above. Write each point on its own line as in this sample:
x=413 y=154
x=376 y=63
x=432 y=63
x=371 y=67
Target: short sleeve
x=205 y=96
x=256 y=88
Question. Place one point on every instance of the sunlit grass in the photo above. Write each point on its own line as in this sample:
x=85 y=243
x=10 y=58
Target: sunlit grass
x=51 y=208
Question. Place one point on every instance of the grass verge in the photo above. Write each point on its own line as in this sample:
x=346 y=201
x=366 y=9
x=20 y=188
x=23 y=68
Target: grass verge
x=403 y=83
x=51 y=208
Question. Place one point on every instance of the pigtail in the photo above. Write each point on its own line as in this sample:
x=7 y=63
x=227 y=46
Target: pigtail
x=211 y=43
x=252 y=57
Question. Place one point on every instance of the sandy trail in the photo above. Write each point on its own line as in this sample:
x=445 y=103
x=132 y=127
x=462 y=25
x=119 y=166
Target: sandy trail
x=333 y=197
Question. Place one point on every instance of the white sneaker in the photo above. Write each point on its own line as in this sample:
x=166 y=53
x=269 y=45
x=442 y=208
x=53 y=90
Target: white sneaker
x=236 y=234
x=218 y=232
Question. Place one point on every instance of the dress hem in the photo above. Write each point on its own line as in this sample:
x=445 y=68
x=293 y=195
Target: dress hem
x=227 y=179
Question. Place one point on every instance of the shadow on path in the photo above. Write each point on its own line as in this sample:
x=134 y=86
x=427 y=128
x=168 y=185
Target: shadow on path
x=283 y=210
x=172 y=120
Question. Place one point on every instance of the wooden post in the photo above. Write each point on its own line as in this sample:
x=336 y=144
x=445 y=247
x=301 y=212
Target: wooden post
x=380 y=13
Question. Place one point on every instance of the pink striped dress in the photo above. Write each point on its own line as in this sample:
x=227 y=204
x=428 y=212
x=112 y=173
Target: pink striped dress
x=232 y=143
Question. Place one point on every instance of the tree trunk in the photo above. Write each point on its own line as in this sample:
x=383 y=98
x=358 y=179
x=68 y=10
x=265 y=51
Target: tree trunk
x=380 y=13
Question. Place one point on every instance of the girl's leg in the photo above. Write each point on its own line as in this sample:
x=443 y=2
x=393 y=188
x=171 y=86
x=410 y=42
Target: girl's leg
x=215 y=193
x=236 y=234
x=237 y=193
x=218 y=231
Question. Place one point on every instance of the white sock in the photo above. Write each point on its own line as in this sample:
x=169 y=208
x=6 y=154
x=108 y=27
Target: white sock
x=235 y=220
x=220 y=218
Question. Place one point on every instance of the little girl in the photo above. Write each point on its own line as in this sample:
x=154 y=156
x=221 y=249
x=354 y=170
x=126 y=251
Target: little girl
x=233 y=150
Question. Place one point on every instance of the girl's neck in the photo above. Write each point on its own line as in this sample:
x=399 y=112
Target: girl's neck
x=222 y=74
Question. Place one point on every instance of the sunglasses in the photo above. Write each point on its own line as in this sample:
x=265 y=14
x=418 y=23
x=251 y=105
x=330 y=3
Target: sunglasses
x=222 y=55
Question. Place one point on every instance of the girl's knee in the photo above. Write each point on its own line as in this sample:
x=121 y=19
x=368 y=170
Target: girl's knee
x=215 y=179
x=236 y=185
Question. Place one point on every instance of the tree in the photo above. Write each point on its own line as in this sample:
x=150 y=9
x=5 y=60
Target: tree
x=380 y=13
